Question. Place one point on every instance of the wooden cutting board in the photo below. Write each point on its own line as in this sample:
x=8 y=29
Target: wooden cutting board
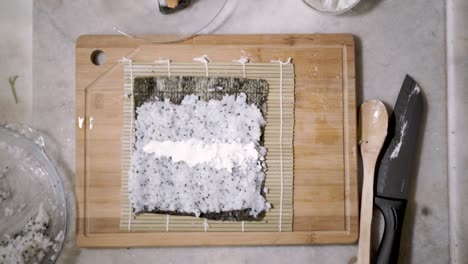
x=325 y=178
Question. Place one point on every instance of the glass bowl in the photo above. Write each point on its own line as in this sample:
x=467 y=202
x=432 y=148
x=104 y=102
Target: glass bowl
x=332 y=7
x=143 y=18
x=30 y=181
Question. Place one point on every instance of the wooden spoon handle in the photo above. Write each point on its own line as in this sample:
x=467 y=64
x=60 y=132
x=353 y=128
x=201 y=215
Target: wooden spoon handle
x=367 y=205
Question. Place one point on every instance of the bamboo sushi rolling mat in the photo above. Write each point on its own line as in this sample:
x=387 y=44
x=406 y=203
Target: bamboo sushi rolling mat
x=279 y=128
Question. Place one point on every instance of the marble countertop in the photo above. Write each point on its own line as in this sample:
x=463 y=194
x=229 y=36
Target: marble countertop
x=393 y=38
x=457 y=82
x=16 y=54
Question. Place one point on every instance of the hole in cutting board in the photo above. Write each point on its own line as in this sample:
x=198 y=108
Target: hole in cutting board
x=98 y=57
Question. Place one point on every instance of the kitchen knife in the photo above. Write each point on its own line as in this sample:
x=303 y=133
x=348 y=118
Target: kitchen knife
x=397 y=167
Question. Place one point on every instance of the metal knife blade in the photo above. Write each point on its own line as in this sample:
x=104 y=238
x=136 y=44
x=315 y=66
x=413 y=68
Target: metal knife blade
x=397 y=163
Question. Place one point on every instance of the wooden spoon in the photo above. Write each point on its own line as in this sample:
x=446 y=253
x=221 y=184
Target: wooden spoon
x=374 y=123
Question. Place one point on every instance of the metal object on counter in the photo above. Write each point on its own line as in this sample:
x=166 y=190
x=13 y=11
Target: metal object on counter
x=397 y=167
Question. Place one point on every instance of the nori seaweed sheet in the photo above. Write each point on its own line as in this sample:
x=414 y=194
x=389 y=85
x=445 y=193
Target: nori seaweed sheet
x=235 y=215
x=177 y=87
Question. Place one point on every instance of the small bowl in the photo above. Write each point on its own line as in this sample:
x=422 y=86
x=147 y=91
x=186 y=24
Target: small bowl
x=319 y=6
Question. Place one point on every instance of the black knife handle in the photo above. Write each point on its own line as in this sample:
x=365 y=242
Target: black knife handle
x=393 y=211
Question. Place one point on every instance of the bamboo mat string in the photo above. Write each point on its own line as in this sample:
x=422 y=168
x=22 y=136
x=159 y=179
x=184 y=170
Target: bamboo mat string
x=243 y=60
x=281 y=63
x=168 y=62
x=167 y=223
x=130 y=62
x=123 y=33
x=205 y=60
